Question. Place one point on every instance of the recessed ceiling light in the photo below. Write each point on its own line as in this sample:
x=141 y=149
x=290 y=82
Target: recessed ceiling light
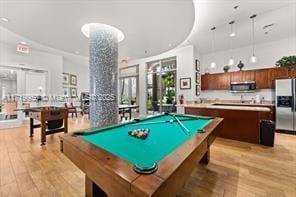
x=85 y=30
x=77 y=52
x=170 y=45
x=24 y=43
x=4 y=19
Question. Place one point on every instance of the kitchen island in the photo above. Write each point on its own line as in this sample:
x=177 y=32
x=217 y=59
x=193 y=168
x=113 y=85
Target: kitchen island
x=241 y=121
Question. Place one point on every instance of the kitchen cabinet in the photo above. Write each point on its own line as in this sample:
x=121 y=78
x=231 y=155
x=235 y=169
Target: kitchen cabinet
x=262 y=78
x=241 y=76
x=241 y=125
x=236 y=76
x=204 y=81
x=278 y=73
x=213 y=82
x=292 y=73
x=224 y=81
x=217 y=81
x=249 y=75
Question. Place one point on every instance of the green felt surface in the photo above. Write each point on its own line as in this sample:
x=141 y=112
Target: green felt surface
x=162 y=140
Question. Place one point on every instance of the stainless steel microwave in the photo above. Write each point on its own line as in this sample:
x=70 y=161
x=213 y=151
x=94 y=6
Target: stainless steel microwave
x=243 y=87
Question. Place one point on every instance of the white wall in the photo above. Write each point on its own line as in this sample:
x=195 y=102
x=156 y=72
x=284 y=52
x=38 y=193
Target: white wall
x=185 y=69
x=80 y=68
x=35 y=60
x=33 y=81
x=7 y=87
x=267 y=54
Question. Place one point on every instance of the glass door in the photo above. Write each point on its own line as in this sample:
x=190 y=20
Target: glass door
x=8 y=92
x=161 y=86
x=128 y=90
x=154 y=97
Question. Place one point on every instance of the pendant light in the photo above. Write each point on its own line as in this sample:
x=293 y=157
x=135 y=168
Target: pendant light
x=253 y=58
x=231 y=35
x=213 y=63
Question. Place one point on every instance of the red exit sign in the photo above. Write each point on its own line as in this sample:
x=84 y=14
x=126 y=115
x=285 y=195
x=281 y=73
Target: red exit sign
x=22 y=48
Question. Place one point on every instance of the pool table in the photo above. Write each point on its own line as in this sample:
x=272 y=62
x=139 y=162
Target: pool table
x=107 y=155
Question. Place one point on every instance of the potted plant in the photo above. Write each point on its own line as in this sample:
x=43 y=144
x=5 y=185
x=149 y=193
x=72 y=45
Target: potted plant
x=288 y=62
x=226 y=68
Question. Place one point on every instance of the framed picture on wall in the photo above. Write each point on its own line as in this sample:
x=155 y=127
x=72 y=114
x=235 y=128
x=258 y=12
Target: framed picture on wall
x=73 y=80
x=197 y=77
x=66 y=78
x=73 y=92
x=197 y=90
x=197 y=65
x=185 y=83
x=66 y=91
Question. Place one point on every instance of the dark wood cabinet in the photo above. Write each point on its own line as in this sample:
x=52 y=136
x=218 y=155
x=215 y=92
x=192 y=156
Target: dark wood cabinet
x=224 y=81
x=249 y=75
x=240 y=76
x=236 y=76
x=213 y=81
x=238 y=125
x=217 y=81
x=204 y=81
x=292 y=73
x=277 y=73
x=264 y=78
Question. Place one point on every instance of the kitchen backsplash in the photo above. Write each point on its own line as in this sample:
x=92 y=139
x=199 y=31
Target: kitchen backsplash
x=268 y=94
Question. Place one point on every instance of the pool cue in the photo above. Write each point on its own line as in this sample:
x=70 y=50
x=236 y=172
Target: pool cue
x=158 y=122
x=182 y=125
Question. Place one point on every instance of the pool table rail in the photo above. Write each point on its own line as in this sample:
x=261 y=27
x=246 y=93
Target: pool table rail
x=117 y=177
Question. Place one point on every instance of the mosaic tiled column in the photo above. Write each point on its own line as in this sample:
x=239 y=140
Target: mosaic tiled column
x=103 y=58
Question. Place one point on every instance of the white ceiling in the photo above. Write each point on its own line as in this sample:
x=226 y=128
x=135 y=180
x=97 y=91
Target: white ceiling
x=219 y=13
x=150 y=26
x=154 y=26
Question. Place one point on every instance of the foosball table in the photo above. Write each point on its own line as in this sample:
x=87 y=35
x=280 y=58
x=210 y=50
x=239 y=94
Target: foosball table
x=52 y=120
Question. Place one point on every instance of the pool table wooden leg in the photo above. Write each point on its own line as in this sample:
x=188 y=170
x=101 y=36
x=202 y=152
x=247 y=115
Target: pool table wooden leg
x=92 y=190
x=206 y=158
x=31 y=127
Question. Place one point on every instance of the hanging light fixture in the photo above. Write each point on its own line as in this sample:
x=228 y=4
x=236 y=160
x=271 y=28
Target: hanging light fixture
x=231 y=61
x=232 y=34
x=213 y=63
x=253 y=58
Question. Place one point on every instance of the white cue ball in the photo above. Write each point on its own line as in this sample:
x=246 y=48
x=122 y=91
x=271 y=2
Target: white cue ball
x=171 y=121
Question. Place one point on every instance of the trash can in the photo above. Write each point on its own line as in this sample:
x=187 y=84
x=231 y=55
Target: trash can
x=267 y=130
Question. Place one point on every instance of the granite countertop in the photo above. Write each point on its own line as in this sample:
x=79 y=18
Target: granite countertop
x=268 y=104
x=228 y=106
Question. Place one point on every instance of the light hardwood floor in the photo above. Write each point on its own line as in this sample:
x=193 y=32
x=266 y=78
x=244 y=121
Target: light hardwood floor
x=235 y=169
